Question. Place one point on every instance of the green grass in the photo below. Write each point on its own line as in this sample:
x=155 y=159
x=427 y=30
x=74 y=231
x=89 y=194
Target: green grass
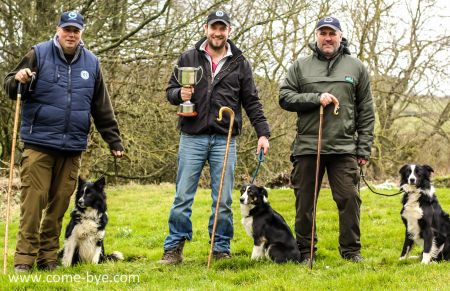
x=138 y=226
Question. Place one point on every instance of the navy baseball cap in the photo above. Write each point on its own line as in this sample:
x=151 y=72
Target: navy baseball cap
x=216 y=16
x=329 y=21
x=72 y=18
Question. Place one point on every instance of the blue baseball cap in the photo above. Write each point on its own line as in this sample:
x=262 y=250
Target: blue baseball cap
x=72 y=18
x=218 y=16
x=330 y=22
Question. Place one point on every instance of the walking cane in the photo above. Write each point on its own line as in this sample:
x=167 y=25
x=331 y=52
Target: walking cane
x=224 y=168
x=316 y=185
x=11 y=175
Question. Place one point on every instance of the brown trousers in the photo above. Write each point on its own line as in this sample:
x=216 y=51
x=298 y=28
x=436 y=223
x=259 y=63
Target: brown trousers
x=343 y=175
x=48 y=182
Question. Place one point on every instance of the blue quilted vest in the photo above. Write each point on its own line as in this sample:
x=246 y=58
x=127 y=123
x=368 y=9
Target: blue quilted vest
x=57 y=114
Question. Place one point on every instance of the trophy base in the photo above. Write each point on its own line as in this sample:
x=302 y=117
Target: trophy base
x=187 y=114
x=187 y=109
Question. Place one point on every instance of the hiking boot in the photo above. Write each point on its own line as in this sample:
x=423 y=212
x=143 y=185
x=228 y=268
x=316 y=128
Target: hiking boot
x=22 y=268
x=173 y=256
x=221 y=255
x=50 y=266
x=355 y=258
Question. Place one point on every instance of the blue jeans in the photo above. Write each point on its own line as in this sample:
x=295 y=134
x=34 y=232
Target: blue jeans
x=194 y=151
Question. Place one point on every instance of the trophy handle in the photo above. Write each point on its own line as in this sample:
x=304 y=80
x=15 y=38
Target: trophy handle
x=201 y=75
x=175 y=68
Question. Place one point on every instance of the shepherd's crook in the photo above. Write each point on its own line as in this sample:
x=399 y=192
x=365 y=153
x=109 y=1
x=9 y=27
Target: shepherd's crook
x=316 y=185
x=224 y=168
x=11 y=176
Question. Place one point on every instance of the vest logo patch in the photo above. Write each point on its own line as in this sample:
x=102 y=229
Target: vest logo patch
x=84 y=75
x=349 y=79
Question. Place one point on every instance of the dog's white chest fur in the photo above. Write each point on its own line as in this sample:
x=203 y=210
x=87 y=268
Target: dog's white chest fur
x=85 y=236
x=247 y=221
x=412 y=213
x=88 y=226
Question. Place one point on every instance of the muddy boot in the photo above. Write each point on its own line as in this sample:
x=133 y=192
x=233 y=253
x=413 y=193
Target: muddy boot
x=173 y=256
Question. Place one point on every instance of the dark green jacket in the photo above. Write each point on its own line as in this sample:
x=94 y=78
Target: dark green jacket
x=350 y=132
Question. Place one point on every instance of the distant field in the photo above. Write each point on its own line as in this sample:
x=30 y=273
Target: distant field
x=138 y=226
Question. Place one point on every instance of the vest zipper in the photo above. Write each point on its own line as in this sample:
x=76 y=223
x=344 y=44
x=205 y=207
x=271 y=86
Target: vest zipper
x=69 y=102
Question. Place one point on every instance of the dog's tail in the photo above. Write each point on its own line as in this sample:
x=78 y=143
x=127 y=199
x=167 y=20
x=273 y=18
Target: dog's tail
x=115 y=256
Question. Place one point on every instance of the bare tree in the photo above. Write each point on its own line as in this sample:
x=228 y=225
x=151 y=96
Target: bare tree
x=139 y=41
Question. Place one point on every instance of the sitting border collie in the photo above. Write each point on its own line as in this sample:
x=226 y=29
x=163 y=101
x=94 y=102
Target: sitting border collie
x=86 y=230
x=272 y=237
x=426 y=223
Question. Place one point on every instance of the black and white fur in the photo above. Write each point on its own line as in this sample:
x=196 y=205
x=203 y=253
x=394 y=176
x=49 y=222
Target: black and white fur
x=426 y=223
x=86 y=230
x=272 y=237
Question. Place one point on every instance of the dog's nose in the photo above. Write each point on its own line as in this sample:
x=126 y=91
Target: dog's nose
x=412 y=180
x=242 y=199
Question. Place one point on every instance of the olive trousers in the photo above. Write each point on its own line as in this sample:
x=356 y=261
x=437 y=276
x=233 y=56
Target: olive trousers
x=48 y=182
x=343 y=176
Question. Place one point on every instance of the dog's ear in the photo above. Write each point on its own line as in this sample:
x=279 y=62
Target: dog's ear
x=100 y=183
x=264 y=192
x=403 y=169
x=81 y=182
x=429 y=168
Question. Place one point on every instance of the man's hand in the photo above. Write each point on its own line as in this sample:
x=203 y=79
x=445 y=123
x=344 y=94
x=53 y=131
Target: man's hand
x=117 y=154
x=24 y=75
x=362 y=161
x=186 y=93
x=327 y=98
x=263 y=142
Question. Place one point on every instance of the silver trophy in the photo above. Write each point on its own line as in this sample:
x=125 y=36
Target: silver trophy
x=188 y=78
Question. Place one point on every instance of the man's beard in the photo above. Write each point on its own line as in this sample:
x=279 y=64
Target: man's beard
x=215 y=47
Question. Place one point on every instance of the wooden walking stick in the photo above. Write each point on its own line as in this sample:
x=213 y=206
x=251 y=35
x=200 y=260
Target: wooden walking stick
x=11 y=175
x=316 y=185
x=224 y=168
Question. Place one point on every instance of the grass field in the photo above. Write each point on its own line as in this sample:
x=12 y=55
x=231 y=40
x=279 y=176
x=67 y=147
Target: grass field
x=138 y=225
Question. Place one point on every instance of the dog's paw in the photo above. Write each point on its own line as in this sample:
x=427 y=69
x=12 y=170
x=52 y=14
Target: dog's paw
x=426 y=258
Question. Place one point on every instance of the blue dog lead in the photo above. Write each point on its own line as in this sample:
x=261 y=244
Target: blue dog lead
x=260 y=160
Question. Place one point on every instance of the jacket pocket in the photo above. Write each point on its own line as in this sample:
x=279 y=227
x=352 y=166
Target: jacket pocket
x=35 y=117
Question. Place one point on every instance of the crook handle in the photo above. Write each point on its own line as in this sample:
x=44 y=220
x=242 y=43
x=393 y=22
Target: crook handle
x=336 y=105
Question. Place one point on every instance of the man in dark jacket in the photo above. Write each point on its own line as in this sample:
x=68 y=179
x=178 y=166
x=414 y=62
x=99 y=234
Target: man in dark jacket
x=227 y=81
x=56 y=109
x=330 y=74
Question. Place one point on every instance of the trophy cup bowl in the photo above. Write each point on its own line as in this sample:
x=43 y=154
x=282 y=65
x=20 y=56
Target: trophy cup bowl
x=188 y=78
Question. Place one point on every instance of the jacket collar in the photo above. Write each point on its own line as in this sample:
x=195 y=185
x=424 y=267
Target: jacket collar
x=61 y=52
x=234 y=50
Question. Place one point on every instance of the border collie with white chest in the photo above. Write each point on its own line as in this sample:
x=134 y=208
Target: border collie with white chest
x=86 y=230
x=426 y=223
x=272 y=237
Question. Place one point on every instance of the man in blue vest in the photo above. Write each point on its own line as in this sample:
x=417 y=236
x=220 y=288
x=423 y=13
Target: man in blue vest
x=56 y=110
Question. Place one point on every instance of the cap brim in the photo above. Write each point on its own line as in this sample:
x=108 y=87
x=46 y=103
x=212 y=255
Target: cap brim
x=72 y=24
x=330 y=26
x=219 y=20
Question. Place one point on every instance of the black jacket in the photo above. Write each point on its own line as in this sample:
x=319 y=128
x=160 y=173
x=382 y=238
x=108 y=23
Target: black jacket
x=233 y=87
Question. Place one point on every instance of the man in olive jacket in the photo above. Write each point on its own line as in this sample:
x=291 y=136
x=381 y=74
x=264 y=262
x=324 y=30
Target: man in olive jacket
x=328 y=75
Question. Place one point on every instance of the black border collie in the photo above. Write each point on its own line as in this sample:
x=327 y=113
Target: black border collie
x=272 y=237
x=85 y=232
x=426 y=223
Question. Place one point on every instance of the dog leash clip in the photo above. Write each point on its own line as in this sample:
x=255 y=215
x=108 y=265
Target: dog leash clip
x=261 y=155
